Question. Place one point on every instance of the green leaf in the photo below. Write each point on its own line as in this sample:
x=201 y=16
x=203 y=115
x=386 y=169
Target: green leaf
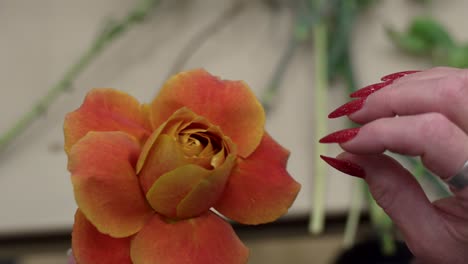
x=412 y=44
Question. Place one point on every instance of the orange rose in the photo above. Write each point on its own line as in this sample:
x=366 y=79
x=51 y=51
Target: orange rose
x=145 y=176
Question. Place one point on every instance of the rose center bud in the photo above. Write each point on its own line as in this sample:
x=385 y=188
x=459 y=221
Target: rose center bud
x=193 y=144
x=201 y=147
x=185 y=164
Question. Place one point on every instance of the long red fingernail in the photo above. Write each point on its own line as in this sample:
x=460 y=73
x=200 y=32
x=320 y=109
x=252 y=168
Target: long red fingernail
x=396 y=75
x=345 y=166
x=340 y=136
x=348 y=108
x=366 y=91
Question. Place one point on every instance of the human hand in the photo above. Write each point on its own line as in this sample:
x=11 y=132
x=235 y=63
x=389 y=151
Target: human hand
x=71 y=258
x=421 y=114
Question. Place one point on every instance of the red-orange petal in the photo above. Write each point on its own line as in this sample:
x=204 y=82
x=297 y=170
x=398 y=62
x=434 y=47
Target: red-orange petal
x=106 y=187
x=90 y=246
x=231 y=105
x=189 y=190
x=206 y=239
x=107 y=110
x=259 y=190
x=164 y=157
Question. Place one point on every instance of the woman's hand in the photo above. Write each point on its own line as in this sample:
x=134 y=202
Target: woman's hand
x=420 y=114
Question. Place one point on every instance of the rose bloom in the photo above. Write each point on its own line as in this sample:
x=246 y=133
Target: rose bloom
x=146 y=177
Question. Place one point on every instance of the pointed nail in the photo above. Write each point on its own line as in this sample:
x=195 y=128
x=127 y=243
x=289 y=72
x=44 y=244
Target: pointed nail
x=370 y=89
x=345 y=166
x=340 y=136
x=348 y=108
x=396 y=75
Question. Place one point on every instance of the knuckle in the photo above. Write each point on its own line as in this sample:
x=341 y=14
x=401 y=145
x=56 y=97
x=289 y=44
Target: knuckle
x=392 y=99
x=440 y=68
x=422 y=251
x=453 y=89
x=464 y=75
x=383 y=196
x=435 y=127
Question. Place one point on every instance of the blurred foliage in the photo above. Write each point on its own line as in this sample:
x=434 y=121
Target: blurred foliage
x=426 y=37
x=339 y=16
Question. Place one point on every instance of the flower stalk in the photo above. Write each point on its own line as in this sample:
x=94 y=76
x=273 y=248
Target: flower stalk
x=383 y=225
x=316 y=224
x=354 y=213
x=106 y=37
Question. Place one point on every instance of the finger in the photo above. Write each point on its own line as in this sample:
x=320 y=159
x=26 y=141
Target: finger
x=71 y=260
x=442 y=145
x=456 y=209
x=432 y=73
x=402 y=198
x=399 y=77
x=447 y=95
x=454 y=212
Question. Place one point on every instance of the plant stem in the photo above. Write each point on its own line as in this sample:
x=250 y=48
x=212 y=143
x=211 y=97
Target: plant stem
x=300 y=33
x=43 y=103
x=358 y=187
x=421 y=173
x=270 y=94
x=199 y=39
x=338 y=59
x=137 y=14
x=388 y=246
x=316 y=224
x=383 y=224
x=354 y=214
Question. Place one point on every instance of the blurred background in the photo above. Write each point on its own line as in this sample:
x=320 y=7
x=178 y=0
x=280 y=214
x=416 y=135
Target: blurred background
x=302 y=58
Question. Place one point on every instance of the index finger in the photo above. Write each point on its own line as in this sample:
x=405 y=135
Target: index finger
x=447 y=95
x=443 y=146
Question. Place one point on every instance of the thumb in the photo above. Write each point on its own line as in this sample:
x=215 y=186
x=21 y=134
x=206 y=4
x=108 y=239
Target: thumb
x=399 y=194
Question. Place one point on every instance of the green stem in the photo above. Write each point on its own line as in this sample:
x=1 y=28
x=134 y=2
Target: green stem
x=103 y=40
x=340 y=39
x=354 y=214
x=316 y=224
x=388 y=246
x=43 y=103
x=271 y=92
x=418 y=169
x=420 y=172
x=384 y=226
x=210 y=30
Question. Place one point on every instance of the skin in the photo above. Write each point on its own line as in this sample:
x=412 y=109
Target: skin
x=432 y=122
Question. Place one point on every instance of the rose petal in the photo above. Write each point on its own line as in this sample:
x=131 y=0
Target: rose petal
x=206 y=239
x=205 y=194
x=189 y=190
x=163 y=153
x=107 y=110
x=105 y=185
x=90 y=246
x=177 y=120
x=166 y=156
x=231 y=105
x=259 y=190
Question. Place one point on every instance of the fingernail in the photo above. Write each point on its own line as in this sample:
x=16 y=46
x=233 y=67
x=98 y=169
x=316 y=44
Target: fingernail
x=345 y=166
x=396 y=75
x=348 y=108
x=370 y=89
x=340 y=136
